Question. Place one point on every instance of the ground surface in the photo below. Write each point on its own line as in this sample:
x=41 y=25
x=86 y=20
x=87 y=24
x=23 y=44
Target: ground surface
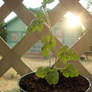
x=10 y=79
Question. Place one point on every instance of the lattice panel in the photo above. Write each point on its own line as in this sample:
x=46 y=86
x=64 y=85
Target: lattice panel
x=11 y=57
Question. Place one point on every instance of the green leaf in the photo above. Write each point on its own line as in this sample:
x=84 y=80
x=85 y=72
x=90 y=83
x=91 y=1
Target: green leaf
x=66 y=54
x=35 y=25
x=40 y=27
x=52 y=77
x=46 y=2
x=42 y=72
x=66 y=74
x=63 y=59
x=40 y=15
x=69 y=70
x=50 y=1
x=45 y=51
x=32 y=27
x=28 y=30
x=52 y=41
x=48 y=44
x=73 y=54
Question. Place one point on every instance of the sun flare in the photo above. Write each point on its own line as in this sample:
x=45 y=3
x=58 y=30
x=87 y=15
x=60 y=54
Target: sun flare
x=72 y=20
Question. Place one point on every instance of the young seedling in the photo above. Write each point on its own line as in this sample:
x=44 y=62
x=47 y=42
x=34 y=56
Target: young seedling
x=64 y=53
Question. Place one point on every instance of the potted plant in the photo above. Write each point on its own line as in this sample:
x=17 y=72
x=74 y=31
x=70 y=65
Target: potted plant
x=51 y=78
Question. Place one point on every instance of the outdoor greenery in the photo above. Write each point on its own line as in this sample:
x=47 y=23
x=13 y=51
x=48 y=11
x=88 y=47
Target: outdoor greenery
x=64 y=54
x=3 y=32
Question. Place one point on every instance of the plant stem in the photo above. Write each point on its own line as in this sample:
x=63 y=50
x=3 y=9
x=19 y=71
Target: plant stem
x=50 y=28
x=47 y=18
x=56 y=60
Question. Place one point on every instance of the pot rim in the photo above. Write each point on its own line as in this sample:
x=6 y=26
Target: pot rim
x=21 y=79
x=34 y=72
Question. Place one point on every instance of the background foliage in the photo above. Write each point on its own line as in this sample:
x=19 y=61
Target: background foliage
x=3 y=32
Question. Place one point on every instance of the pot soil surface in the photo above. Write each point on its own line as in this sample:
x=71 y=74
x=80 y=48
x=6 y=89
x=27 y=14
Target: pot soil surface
x=31 y=83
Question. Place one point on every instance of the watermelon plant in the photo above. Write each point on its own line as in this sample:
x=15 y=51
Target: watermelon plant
x=64 y=54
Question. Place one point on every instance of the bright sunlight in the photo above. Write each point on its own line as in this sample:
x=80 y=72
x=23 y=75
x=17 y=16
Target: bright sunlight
x=72 y=21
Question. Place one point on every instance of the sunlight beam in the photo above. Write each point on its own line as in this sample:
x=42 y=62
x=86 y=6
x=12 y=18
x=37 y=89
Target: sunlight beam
x=72 y=20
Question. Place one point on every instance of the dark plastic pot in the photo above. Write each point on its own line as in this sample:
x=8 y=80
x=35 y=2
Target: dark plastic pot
x=26 y=75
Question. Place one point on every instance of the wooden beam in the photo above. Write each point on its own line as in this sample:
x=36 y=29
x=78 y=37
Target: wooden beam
x=4 y=11
x=24 y=14
x=4 y=66
x=83 y=44
x=21 y=68
x=11 y=59
x=3 y=47
x=57 y=13
x=12 y=4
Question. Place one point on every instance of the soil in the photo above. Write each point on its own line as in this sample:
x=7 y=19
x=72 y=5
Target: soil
x=31 y=83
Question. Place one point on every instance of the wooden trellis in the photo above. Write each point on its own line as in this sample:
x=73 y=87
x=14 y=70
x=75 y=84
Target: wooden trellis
x=11 y=57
